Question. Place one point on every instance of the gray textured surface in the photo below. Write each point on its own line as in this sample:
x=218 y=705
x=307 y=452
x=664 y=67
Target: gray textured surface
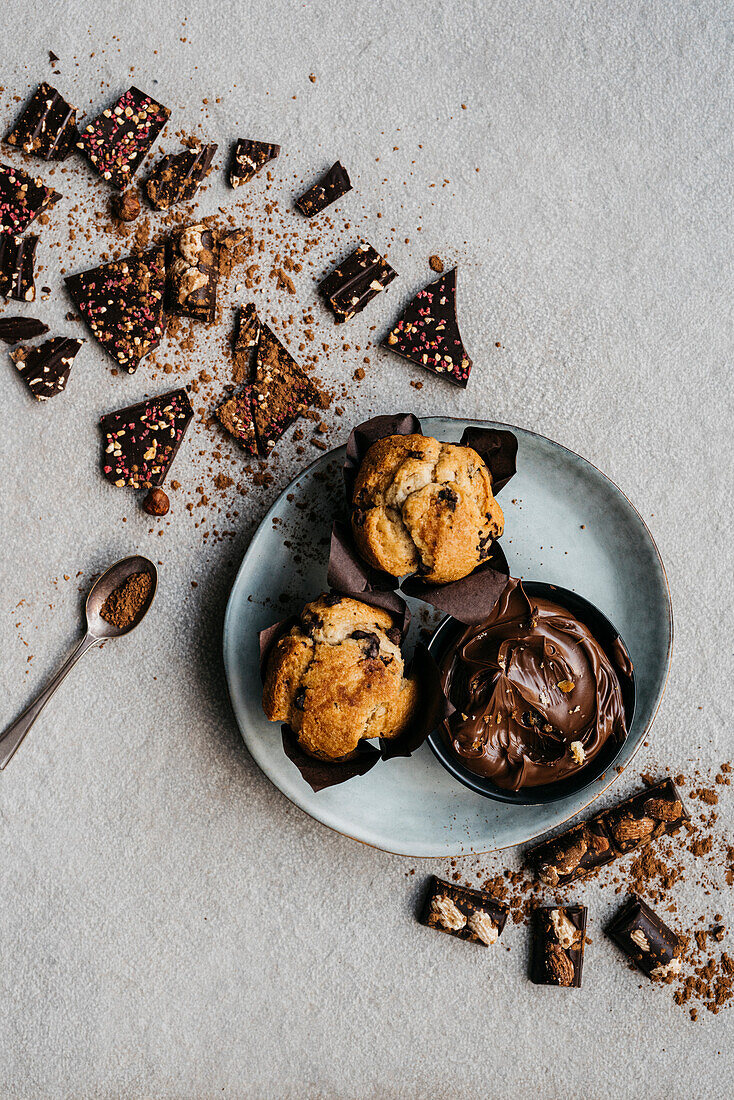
x=170 y=925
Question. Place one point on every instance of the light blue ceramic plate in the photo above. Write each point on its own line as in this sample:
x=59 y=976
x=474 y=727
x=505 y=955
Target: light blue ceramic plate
x=570 y=526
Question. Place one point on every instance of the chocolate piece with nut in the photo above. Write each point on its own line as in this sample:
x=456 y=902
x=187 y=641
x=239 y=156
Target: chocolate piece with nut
x=559 y=935
x=47 y=127
x=574 y=854
x=141 y=441
x=176 y=177
x=22 y=198
x=248 y=157
x=428 y=332
x=247 y=337
x=46 y=368
x=193 y=273
x=646 y=939
x=122 y=302
x=356 y=281
x=117 y=141
x=282 y=391
x=644 y=817
x=329 y=188
x=467 y=914
x=17 y=267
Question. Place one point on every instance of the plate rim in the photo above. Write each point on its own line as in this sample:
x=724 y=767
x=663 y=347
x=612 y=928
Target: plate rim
x=228 y=615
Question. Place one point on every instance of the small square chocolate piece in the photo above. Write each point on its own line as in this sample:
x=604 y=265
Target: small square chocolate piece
x=117 y=141
x=575 y=853
x=122 y=302
x=646 y=939
x=47 y=127
x=329 y=188
x=356 y=281
x=17 y=260
x=142 y=440
x=176 y=178
x=645 y=816
x=22 y=198
x=248 y=157
x=468 y=914
x=428 y=334
x=559 y=936
x=46 y=368
x=193 y=273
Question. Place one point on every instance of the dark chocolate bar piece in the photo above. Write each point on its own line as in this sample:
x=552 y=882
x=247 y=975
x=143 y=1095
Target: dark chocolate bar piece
x=122 y=302
x=248 y=157
x=46 y=368
x=428 y=332
x=576 y=853
x=141 y=441
x=356 y=281
x=117 y=141
x=192 y=273
x=646 y=939
x=467 y=914
x=644 y=817
x=329 y=188
x=236 y=418
x=282 y=390
x=15 y=329
x=22 y=198
x=247 y=337
x=176 y=178
x=47 y=127
x=559 y=935
x=17 y=260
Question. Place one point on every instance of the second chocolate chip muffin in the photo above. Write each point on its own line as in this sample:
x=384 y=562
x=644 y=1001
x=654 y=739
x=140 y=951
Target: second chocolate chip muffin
x=425 y=506
x=337 y=677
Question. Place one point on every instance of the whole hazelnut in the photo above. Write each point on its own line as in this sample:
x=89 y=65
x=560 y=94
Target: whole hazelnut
x=127 y=205
x=156 y=503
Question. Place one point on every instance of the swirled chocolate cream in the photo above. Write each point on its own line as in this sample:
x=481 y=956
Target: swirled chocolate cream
x=536 y=696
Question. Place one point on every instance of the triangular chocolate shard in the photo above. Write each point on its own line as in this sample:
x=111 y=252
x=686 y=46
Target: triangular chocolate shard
x=17 y=259
x=247 y=337
x=15 y=329
x=282 y=390
x=428 y=332
x=46 y=368
x=176 y=178
x=117 y=141
x=122 y=302
x=248 y=157
x=236 y=417
x=47 y=127
x=22 y=198
x=142 y=440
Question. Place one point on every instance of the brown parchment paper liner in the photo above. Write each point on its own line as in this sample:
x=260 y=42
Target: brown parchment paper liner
x=472 y=598
x=350 y=576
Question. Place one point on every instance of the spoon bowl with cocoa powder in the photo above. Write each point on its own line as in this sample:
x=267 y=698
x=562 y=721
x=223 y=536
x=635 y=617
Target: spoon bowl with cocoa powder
x=116 y=604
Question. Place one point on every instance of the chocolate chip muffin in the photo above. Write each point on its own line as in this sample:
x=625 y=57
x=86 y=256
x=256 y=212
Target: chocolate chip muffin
x=425 y=506
x=338 y=677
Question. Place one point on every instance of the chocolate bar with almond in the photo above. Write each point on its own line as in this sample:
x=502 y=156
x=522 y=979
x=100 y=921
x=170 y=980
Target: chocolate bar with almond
x=575 y=853
x=646 y=940
x=192 y=273
x=47 y=127
x=559 y=936
x=176 y=177
x=332 y=186
x=472 y=915
x=644 y=817
x=17 y=267
x=356 y=281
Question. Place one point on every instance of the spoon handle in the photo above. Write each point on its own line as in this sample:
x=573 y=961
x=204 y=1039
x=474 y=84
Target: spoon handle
x=11 y=738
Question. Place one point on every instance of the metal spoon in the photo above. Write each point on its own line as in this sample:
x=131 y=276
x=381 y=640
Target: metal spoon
x=98 y=631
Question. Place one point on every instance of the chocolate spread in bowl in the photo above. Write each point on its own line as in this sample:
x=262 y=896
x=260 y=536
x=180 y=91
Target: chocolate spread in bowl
x=536 y=696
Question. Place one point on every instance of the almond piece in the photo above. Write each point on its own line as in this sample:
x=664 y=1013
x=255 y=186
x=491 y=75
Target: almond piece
x=630 y=828
x=558 y=965
x=662 y=809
